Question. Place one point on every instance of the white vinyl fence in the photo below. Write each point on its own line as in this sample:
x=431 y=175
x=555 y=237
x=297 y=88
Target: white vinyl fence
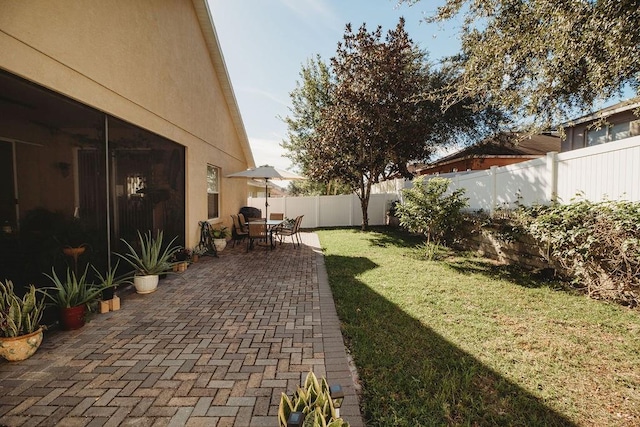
x=605 y=172
x=328 y=211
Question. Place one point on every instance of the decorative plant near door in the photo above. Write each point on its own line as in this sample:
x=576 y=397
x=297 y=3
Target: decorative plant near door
x=20 y=329
x=72 y=294
x=110 y=280
x=151 y=260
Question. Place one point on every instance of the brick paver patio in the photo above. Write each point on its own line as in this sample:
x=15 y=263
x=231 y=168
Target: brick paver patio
x=213 y=346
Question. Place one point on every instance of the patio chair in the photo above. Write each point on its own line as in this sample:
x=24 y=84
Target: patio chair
x=257 y=232
x=276 y=216
x=237 y=231
x=243 y=223
x=292 y=231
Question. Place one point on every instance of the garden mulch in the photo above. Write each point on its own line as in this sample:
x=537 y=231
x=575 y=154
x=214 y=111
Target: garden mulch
x=215 y=345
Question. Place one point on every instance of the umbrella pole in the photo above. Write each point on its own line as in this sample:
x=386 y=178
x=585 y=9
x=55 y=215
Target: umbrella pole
x=266 y=198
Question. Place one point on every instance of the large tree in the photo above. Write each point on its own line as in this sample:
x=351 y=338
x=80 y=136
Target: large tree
x=545 y=59
x=360 y=119
x=311 y=95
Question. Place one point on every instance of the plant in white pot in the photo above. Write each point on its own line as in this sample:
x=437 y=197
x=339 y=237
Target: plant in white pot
x=219 y=236
x=20 y=329
x=151 y=261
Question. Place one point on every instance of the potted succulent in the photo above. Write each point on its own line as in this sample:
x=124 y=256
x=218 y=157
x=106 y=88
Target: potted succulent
x=219 y=235
x=108 y=281
x=181 y=259
x=197 y=252
x=314 y=404
x=150 y=261
x=20 y=329
x=72 y=294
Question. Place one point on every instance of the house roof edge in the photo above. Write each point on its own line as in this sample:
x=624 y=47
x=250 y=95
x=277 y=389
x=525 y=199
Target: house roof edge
x=205 y=18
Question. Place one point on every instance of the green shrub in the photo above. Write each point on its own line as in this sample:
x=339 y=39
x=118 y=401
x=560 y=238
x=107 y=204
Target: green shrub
x=429 y=210
x=597 y=244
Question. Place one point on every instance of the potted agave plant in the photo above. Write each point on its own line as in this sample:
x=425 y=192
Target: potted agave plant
x=151 y=260
x=20 y=329
x=72 y=294
x=110 y=281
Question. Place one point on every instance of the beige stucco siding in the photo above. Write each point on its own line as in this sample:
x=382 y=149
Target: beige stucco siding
x=146 y=62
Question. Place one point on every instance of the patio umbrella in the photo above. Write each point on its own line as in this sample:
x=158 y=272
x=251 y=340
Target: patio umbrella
x=266 y=172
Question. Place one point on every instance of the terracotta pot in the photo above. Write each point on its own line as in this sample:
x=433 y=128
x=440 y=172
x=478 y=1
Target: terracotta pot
x=195 y=258
x=74 y=252
x=73 y=317
x=20 y=348
x=145 y=284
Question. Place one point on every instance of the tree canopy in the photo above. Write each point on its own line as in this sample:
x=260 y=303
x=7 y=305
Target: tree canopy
x=359 y=119
x=544 y=59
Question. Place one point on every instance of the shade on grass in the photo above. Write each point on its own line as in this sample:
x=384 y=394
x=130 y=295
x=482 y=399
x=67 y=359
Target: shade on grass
x=464 y=342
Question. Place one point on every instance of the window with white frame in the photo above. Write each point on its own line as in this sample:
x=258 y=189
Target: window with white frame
x=213 y=191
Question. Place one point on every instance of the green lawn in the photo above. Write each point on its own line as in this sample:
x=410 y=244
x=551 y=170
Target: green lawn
x=461 y=341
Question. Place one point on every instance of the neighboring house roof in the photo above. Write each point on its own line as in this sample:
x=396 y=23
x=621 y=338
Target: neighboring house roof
x=274 y=189
x=505 y=145
x=620 y=107
x=205 y=18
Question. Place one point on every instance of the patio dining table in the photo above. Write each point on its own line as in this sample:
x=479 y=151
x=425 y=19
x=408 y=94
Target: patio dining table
x=270 y=225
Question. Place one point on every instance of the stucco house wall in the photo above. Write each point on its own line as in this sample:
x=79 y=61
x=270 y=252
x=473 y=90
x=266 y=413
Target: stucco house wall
x=155 y=64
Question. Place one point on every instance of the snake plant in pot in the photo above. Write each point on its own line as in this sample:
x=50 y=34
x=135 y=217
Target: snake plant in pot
x=312 y=405
x=152 y=259
x=20 y=329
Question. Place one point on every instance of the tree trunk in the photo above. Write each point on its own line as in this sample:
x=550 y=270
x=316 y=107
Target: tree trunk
x=365 y=192
x=364 y=204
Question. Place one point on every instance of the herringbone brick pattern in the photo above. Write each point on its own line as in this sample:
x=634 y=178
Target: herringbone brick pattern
x=213 y=346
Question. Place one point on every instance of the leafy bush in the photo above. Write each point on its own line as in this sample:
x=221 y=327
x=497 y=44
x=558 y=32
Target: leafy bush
x=428 y=210
x=598 y=244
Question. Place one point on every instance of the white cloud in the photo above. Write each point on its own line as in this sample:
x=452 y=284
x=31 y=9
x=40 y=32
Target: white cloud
x=269 y=152
x=309 y=8
x=265 y=94
x=315 y=12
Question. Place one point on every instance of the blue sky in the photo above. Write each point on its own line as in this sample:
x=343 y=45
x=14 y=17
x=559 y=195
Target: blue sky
x=266 y=42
